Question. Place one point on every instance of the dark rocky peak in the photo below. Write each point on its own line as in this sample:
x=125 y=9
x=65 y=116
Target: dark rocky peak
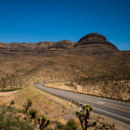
x=95 y=39
x=93 y=36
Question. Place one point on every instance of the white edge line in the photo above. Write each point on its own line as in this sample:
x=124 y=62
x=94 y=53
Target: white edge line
x=98 y=98
x=113 y=114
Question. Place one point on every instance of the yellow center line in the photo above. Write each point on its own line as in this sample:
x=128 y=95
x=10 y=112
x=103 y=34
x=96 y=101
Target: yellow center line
x=98 y=103
x=105 y=102
x=106 y=106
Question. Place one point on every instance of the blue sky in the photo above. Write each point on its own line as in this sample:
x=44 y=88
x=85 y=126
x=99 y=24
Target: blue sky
x=55 y=20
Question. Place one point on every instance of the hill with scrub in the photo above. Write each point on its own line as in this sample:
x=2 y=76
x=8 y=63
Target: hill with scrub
x=91 y=61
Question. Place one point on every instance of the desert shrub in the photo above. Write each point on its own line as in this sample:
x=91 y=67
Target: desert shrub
x=49 y=129
x=3 y=83
x=11 y=103
x=70 y=125
x=59 y=126
x=115 y=83
x=71 y=84
x=20 y=111
x=33 y=113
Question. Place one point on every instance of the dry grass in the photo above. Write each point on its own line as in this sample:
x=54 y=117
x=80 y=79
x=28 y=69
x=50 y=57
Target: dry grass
x=53 y=107
x=44 y=103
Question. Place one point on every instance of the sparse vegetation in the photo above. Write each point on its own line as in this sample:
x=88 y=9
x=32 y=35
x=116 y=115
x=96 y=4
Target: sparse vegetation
x=71 y=84
x=17 y=71
x=103 y=77
x=9 y=120
x=8 y=90
x=100 y=85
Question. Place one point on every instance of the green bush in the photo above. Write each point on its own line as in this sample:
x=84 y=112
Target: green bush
x=11 y=122
x=70 y=125
x=33 y=113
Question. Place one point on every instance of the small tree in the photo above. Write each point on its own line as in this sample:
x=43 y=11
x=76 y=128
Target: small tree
x=83 y=116
x=43 y=122
x=33 y=113
x=27 y=105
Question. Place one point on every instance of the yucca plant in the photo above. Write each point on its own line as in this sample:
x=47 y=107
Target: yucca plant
x=84 y=115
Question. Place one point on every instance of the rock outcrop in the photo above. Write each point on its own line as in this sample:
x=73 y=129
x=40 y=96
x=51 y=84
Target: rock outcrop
x=95 y=43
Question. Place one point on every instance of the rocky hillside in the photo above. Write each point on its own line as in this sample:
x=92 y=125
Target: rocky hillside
x=92 y=57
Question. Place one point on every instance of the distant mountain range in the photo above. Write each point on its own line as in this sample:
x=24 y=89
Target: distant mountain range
x=92 y=43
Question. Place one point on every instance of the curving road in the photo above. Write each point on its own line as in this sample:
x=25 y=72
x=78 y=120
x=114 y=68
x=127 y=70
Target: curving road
x=114 y=109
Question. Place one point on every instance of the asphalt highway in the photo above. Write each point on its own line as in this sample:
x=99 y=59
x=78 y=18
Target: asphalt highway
x=115 y=109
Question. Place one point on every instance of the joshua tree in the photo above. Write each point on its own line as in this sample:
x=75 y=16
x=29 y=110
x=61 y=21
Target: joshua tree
x=43 y=122
x=11 y=103
x=83 y=116
x=27 y=105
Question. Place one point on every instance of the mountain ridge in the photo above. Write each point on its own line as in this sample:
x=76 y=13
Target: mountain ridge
x=94 y=41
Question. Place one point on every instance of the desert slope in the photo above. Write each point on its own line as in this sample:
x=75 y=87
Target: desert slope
x=23 y=64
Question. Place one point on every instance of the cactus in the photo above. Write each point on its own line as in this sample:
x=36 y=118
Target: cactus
x=43 y=122
x=27 y=105
x=84 y=115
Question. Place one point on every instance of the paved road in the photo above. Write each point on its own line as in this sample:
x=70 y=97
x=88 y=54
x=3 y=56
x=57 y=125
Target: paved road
x=114 y=109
